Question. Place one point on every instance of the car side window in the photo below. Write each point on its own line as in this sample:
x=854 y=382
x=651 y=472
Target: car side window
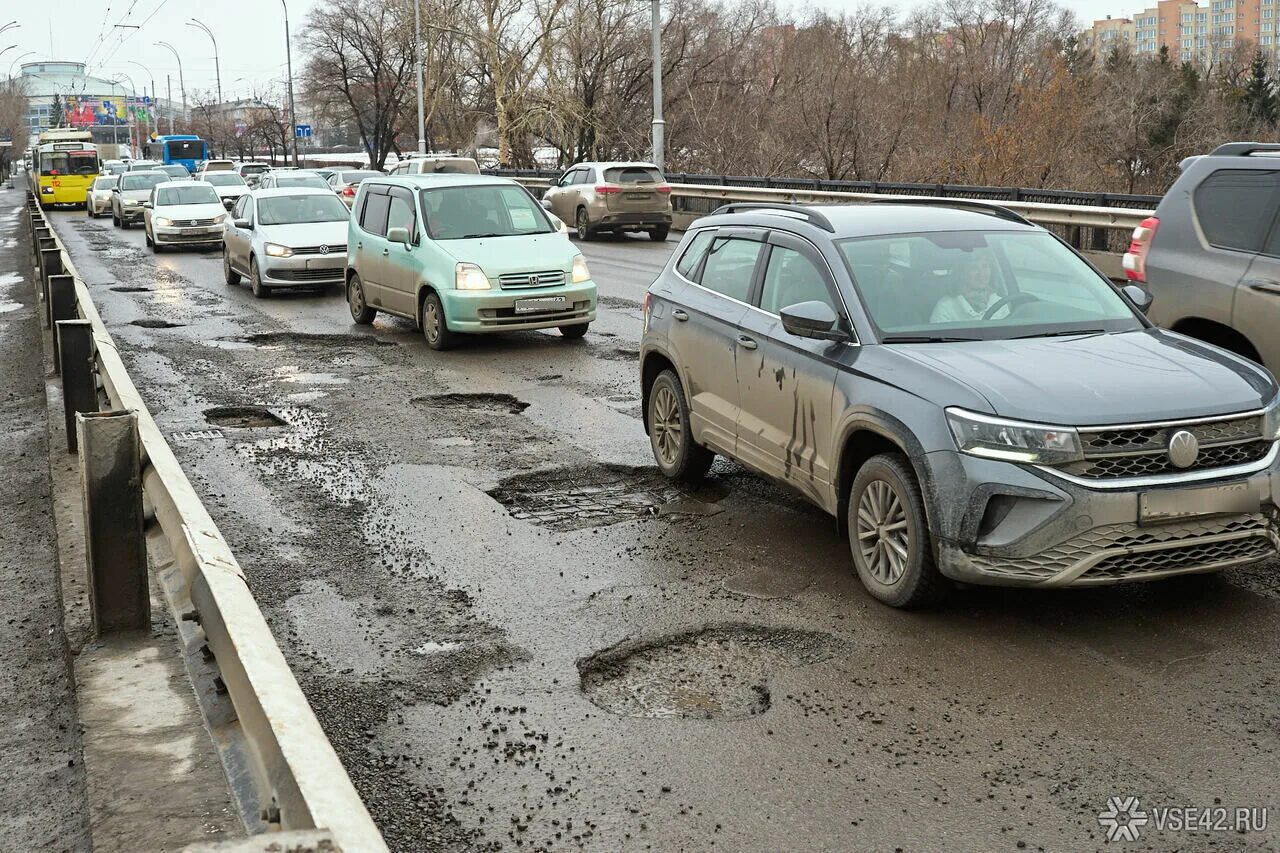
x=729 y=267
x=792 y=277
x=237 y=211
x=584 y=176
x=687 y=266
x=567 y=178
x=1235 y=207
x=373 y=218
x=401 y=213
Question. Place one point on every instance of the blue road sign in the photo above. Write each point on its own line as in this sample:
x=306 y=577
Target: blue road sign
x=302 y=131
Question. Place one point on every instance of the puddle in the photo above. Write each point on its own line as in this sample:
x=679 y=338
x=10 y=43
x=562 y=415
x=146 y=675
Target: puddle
x=242 y=417
x=577 y=498
x=6 y=306
x=130 y=289
x=433 y=648
x=156 y=324
x=483 y=402
x=716 y=673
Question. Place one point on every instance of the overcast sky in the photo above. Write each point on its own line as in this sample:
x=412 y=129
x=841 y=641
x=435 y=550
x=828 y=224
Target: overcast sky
x=250 y=37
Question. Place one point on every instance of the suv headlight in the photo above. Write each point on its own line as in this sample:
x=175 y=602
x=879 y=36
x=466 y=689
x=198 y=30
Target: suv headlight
x=1271 y=420
x=470 y=277
x=1013 y=441
x=217 y=220
x=580 y=271
x=275 y=250
x=161 y=221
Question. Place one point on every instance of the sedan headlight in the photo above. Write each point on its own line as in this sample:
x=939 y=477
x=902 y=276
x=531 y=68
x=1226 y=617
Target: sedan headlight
x=161 y=221
x=1013 y=441
x=217 y=220
x=470 y=277
x=130 y=202
x=580 y=271
x=275 y=250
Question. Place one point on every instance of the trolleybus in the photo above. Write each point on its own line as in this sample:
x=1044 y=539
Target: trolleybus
x=65 y=163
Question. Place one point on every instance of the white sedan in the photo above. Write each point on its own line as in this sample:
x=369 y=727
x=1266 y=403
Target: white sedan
x=183 y=213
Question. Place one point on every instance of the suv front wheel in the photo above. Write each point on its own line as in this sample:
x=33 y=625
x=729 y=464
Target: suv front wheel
x=889 y=534
x=678 y=456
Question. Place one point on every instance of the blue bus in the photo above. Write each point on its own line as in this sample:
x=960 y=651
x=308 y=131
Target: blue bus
x=183 y=149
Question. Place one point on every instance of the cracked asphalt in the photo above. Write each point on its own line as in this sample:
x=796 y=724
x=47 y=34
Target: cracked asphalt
x=518 y=636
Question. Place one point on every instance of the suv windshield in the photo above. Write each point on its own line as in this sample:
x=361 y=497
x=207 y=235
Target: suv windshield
x=142 y=180
x=288 y=209
x=187 y=195
x=301 y=179
x=225 y=179
x=980 y=285
x=457 y=213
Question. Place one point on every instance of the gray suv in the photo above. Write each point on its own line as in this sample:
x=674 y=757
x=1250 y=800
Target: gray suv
x=1211 y=253
x=970 y=398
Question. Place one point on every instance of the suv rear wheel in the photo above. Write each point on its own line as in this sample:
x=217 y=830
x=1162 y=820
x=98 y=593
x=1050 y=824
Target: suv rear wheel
x=583 y=223
x=889 y=534
x=678 y=456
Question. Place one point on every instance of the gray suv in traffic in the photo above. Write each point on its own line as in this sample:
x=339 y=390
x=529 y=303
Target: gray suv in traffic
x=970 y=398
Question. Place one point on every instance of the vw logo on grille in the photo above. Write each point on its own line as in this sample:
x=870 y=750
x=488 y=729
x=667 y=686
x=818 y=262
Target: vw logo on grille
x=324 y=249
x=534 y=281
x=1184 y=448
x=192 y=222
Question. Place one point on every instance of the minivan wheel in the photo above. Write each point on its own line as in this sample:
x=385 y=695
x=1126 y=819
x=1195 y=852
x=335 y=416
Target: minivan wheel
x=435 y=328
x=360 y=311
x=678 y=456
x=889 y=534
x=575 y=331
x=584 y=225
x=230 y=276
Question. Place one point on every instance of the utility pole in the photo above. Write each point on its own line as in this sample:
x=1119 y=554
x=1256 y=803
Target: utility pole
x=659 y=125
x=288 y=58
x=417 y=50
x=168 y=88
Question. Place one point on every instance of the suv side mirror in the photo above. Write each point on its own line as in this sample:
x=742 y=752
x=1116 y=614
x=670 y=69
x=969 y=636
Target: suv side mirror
x=398 y=235
x=815 y=320
x=546 y=204
x=1139 y=296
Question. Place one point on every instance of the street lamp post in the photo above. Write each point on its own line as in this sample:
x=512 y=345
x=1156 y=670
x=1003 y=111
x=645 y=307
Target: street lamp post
x=659 y=126
x=16 y=60
x=288 y=58
x=217 y=69
x=12 y=25
x=417 y=52
x=182 y=80
x=128 y=115
x=153 y=116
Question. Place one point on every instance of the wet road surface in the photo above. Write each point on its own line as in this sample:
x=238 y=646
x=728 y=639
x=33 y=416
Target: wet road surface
x=518 y=636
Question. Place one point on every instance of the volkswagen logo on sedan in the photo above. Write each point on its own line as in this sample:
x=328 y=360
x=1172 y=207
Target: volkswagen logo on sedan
x=1184 y=448
x=324 y=249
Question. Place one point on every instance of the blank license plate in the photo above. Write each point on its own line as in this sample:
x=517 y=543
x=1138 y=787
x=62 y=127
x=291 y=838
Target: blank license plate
x=541 y=304
x=1172 y=504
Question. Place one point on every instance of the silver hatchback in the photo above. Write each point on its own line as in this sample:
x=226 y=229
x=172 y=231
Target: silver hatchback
x=282 y=238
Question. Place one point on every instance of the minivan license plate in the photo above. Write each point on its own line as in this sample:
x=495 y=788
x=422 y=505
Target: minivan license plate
x=1173 y=504
x=541 y=304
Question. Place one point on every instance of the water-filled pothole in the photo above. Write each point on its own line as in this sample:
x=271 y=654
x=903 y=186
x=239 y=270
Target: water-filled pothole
x=130 y=289
x=268 y=338
x=594 y=496
x=486 y=402
x=716 y=673
x=156 y=324
x=242 y=417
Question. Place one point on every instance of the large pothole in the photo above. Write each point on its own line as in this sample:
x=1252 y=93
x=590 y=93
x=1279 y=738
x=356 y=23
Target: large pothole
x=595 y=496
x=319 y=339
x=243 y=417
x=485 y=402
x=716 y=673
x=156 y=324
x=130 y=289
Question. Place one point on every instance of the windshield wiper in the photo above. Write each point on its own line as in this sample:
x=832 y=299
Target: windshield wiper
x=922 y=339
x=477 y=236
x=1060 y=333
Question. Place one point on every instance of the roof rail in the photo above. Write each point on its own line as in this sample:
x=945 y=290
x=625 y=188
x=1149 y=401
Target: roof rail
x=976 y=205
x=814 y=217
x=1244 y=149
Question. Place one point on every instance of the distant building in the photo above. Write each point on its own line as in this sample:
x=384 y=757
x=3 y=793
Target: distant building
x=110 y=109
x=1192 y=32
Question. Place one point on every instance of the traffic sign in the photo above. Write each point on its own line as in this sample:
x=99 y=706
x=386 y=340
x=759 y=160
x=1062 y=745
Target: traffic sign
x=302 y=131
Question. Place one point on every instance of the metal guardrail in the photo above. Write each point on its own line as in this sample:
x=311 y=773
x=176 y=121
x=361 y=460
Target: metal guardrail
x=298 y=775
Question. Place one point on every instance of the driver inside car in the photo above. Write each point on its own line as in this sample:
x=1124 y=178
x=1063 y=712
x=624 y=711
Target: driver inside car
x=974 y=295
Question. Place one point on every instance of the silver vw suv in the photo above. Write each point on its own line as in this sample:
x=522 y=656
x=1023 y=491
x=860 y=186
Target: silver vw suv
x=970 y=398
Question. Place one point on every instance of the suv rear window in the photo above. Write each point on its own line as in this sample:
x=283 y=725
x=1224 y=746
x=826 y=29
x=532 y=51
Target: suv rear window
x=1235 y=207
x=633 y=175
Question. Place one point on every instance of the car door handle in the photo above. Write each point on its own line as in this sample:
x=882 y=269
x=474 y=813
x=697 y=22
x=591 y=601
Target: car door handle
x=1266 y=285
x=386 y=251
x=747 y=343
x=359 y=246
x=680 y=315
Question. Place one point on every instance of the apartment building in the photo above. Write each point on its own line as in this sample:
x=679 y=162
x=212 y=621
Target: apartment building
x=1191 y=31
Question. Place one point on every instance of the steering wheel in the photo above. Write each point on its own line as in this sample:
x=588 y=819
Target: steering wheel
x=1013 y=300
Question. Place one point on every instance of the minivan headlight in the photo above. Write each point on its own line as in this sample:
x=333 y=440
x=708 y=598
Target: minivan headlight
x=1013 y=441
x=580 y=271
x=470 y=277
x=275 y=250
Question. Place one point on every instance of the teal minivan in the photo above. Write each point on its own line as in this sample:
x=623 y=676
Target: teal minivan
x=463 y=254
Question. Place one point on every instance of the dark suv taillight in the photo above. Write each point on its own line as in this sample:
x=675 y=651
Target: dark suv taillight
x=1135 y=260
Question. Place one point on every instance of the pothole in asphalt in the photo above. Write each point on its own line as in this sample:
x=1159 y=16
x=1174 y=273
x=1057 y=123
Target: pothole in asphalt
x=269 y=338
x=156 y=324
x=242 y=417
x=714 y=673
x=485 y=402
x=131 y=289
x=617 y=302
x=596 y=496
x=617 y=353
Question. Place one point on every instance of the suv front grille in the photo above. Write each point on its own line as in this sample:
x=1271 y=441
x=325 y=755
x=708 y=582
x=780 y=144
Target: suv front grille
x=1142 y=451
x=526 y=280
x=1189 y=557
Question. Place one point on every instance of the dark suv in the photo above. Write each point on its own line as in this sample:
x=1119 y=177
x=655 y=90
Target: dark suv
x=1211 y=253
x=967 y=395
